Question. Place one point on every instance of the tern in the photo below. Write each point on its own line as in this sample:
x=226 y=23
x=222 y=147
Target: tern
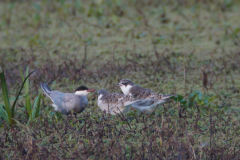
x=68 y=102
x=148 y=100
x=114 y=103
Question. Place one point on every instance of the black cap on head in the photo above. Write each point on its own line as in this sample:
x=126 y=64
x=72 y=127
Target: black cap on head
x=126 y=82
x=81 y=88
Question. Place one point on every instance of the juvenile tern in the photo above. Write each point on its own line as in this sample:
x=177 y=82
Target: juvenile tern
x=114 y=103
x=148 y=100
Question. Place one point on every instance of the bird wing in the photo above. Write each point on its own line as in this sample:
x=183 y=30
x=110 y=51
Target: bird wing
x=118 y=99
x=153 y=99
x=65 y=101
x=112 y=99
x=139 y=92
x=70 y=101
x=114 y=102
x=145 y=102
x=68 y=97
x=128 y=100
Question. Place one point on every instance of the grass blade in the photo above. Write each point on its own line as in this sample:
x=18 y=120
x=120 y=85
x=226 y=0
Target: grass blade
x=36 y=106
x=3 y=113
x=19 y=92
x=27 y=97
x=6 y=98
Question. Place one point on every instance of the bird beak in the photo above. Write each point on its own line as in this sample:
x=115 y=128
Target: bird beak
x=117 y=85
x=91 y=90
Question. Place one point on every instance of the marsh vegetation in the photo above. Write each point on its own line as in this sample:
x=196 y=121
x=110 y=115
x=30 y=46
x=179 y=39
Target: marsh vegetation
x=190 y=48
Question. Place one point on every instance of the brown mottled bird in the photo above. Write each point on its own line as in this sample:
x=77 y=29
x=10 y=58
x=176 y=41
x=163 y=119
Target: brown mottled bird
x=114 y=103
x=148 y=100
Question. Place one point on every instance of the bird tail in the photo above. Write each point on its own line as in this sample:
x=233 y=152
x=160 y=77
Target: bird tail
x=46 y=89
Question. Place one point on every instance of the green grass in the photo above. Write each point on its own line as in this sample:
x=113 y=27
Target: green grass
x=32 y=109
x=7 y=111
x=97 y=43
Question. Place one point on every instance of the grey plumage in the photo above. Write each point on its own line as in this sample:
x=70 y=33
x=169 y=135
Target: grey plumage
x=114 y=103
x=148 y=100
x=67 y=102
x=46 y=89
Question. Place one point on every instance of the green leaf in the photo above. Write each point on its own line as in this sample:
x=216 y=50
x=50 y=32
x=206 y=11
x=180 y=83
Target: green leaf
x=179 y=98
x=191 y=99
x=184 y=102
x=27 y=97
x=19 y=92
x=36 y=106
x=6 y=98
x=3 y=114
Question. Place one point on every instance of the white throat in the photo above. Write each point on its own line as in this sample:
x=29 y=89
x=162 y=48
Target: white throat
x=126 y=89
x=100 y=96
x=82 y=93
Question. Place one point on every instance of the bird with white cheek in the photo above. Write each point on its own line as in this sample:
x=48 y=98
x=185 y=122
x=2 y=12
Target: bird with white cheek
x=67 y=103
x=148 y=100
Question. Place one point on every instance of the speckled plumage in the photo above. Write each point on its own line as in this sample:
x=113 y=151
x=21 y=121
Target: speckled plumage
x=113 y=103
x=148 y=100
x=139 y=92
